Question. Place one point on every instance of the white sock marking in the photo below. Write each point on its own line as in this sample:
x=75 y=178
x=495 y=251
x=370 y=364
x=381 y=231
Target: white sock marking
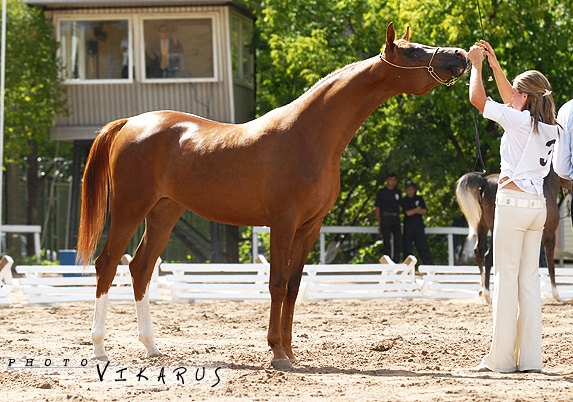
x=98 y=328
x=145 y=325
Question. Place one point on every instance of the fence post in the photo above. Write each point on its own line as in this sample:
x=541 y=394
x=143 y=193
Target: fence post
x=450 y=249
x=255 y=246
x=322 y=248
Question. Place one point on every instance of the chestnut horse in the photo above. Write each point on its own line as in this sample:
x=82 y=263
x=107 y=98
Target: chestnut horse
x=476 y=198
x=281 y=170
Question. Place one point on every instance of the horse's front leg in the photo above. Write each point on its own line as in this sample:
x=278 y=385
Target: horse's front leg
x=281 y=243
x=303 y=242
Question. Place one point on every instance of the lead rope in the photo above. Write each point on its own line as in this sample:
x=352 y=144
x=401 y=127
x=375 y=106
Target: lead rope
x=478 y=147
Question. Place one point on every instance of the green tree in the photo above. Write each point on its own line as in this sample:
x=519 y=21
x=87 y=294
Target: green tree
x=34 y=96
x=429 y=139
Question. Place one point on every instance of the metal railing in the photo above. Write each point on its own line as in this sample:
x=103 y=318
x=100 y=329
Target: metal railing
x=449 y=231
x=36 y=230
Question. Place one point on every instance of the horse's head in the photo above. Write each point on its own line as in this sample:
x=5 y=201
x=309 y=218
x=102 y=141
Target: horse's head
x=419 y=68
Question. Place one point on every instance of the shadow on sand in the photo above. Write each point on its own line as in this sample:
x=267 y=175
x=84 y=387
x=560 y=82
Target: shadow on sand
x=299 y=368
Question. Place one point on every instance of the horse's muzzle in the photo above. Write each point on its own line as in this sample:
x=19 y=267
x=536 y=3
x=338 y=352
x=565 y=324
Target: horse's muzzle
x=461 y=65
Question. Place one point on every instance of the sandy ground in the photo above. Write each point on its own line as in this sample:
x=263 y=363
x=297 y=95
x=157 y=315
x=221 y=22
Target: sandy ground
x=348 y=350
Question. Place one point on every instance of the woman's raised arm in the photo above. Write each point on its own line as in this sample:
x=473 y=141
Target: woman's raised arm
x=503 y=85
x=477 y=91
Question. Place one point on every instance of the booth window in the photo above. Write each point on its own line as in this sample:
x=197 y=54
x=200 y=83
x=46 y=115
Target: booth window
x=241 y=51
x=95 y=50
x=179 y=49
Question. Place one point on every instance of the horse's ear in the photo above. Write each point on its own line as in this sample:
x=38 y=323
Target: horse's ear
x=407 y=34
x=390 y=36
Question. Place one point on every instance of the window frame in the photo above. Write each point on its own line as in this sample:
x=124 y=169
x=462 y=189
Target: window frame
x=240 y=79
x=100 y=17
x=215 y=28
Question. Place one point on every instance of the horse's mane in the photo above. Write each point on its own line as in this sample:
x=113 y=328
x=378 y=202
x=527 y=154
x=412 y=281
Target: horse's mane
x=328 y=77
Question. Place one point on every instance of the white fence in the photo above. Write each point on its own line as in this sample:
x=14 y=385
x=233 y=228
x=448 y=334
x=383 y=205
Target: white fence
x=448 y=231
x=50 y=285
x=363 y=281
x=447 y=282
x=194 y=282
x=54 y=284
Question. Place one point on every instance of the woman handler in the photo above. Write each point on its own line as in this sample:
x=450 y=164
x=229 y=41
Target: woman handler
x=530 y=131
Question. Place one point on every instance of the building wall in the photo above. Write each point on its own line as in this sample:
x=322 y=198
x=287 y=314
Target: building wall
x=92 y=105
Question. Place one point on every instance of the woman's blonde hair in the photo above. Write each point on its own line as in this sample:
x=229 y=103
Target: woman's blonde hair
x=539 y=100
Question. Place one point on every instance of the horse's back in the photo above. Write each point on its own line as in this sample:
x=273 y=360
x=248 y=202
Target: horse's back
x=214 y=169
x=144 y=126
x=231 y=173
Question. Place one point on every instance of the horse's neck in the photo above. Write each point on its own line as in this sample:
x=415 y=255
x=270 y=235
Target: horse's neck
x=338 y=105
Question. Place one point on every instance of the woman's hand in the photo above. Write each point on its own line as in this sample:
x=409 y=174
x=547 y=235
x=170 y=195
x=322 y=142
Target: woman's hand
x=475 y=55
x=488 y=51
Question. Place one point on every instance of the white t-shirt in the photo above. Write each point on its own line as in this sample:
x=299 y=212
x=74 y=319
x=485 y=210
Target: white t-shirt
x=525 y=154
x=563 y=161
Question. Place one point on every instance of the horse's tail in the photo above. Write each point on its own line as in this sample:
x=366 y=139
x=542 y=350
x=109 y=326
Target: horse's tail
x=469 y=190
x=95 y=190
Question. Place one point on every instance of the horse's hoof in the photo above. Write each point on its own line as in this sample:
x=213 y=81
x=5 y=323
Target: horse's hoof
x=556 y=295
x=487 y=296
x=282 y=365
x=102 y=358
x=154 y=354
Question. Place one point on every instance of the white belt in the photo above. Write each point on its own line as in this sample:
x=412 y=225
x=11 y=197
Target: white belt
x=509 y=201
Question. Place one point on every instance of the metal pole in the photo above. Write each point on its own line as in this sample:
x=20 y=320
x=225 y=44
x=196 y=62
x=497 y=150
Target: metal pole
x=450 y=249
x=255 y=245
x=2 y=85
x=322 y=248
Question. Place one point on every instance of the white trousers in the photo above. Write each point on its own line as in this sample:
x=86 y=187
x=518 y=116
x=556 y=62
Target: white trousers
x=518 y=226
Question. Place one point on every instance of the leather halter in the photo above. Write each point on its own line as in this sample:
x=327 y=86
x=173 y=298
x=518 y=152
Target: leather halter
x=429 y=67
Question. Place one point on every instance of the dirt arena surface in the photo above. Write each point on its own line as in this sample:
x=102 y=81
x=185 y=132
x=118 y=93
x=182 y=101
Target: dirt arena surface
x=348 y=350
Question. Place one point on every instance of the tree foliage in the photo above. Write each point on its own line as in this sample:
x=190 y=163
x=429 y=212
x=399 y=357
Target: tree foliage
x=429 y=139
x=34 y=95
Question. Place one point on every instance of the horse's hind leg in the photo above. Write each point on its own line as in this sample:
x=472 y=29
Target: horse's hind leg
x=158 y=225
x=487 y=271
x=479 y=254
x=549 y=244
x=121 y=231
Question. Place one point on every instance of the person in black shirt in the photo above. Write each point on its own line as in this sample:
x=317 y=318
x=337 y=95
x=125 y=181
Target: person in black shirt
x=388 y=214
x=414 y=207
